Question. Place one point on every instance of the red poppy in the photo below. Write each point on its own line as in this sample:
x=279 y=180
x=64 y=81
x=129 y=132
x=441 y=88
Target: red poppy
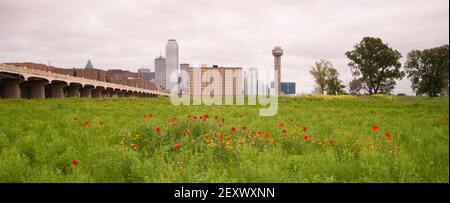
x=222 y=136
x=259 y=133
x=74 y=162
x=176 y=147
x=195 y=117
x=375 y=127
x=266 y=134
x=223 y=120
x=179 y=132
x=158 y=130
x=206 y=115
x=388 y=134
x=134 y=146
x=201 y=117
x=87 y=122
x=281 y=124
x=305 y=137
x=188 y=131
x=150 y=115
x=170 y=121
x=233 y=129
x=305 y=129
x=244 y=127
x=284 y=131
x=145 y=115
x=330 y=141
x=215 y=117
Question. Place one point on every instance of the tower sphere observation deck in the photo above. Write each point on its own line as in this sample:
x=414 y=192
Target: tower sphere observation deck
x=277 y=51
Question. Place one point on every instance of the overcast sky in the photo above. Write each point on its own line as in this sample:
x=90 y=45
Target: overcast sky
x=130 y=34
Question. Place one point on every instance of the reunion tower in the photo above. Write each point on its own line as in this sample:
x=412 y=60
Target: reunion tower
x=277 y=52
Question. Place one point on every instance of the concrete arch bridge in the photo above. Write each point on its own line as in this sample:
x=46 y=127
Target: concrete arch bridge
x=22 y=82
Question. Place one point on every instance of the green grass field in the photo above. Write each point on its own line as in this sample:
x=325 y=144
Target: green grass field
x=326 y=139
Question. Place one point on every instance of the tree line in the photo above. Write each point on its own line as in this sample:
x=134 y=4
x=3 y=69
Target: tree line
x=375 y=66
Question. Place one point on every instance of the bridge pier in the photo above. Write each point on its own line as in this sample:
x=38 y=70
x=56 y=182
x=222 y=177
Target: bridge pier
x=57 y=89
x=73 y=90
x=97 y=92
x=115 y=93
x=107 y=93
x=11 y=88
x=37 y=89
x=86 y=91
x=47 y=91
x=122 y=93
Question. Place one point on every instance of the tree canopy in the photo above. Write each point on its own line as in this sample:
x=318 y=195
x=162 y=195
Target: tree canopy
x=327 y=78
x=319 y=72
x=376 y=64
x=428 y=70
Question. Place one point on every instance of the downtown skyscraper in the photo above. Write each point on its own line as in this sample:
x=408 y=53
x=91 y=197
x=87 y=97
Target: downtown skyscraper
x=160 y=71
x=171 y=62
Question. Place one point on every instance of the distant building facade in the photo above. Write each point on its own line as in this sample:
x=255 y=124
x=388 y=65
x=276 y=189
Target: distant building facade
x=288 y=87
x=160 y=71
x=152 y=76
x=251 y=82
x=228 y=86
x=184 y=66
x=146 y=74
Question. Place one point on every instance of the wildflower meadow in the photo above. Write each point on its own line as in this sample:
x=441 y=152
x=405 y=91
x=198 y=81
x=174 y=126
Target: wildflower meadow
x=311 y=139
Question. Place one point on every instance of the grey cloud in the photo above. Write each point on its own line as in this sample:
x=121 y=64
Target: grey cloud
x=129 y=34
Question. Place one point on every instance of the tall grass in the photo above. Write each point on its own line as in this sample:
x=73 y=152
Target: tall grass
x=40 y=138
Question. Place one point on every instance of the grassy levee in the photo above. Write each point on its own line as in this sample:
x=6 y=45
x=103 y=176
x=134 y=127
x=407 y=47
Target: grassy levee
x=326 y=139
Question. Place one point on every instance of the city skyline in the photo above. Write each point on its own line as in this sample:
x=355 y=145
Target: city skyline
x=225 y=33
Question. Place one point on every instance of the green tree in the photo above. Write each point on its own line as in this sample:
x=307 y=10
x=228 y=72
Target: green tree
x=327 y=78
x=333 y=83
x=319 y=72
x=355 y=86
x=428 y=70
x=376 y=64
